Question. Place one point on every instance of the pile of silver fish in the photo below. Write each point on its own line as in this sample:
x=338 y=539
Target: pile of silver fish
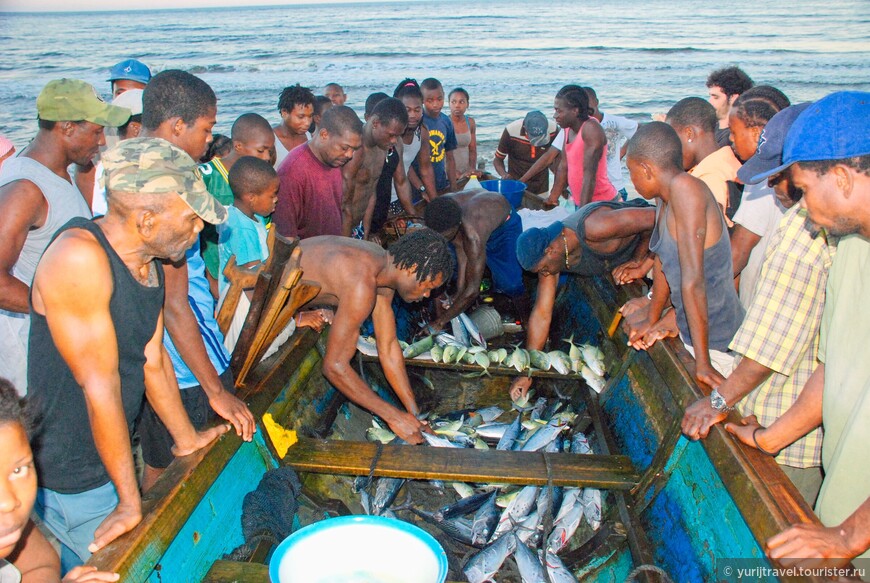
x=501 y=520
x=583 y=359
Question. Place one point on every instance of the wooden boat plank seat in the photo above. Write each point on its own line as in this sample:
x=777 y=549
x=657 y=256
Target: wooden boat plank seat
x=463 y=465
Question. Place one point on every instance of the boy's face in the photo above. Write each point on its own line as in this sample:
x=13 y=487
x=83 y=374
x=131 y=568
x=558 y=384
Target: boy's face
x=263 y=203
x=336 y=95
x=433 y=101
x=259 y=146
x=414 y=107
x=642 y=178
x=195 y=138
x=298 y=119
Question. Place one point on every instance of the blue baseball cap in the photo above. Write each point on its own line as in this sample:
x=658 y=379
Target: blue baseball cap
x=132 y=70
x=833 y=128
x=532 y=243
x=770 y=143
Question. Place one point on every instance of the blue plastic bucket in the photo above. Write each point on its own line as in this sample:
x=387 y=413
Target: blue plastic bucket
x=357 y=549
x=511 y=189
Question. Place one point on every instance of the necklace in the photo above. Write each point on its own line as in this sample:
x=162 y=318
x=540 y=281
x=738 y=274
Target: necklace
x=565 y=241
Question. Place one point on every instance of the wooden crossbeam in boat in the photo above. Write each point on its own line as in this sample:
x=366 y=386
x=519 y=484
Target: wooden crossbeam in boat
x=461 y=464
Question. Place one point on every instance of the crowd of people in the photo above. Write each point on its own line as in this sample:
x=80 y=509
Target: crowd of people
x=118 y=221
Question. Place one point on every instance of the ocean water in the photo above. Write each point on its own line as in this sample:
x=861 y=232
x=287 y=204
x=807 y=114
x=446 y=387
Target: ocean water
x=511 y=55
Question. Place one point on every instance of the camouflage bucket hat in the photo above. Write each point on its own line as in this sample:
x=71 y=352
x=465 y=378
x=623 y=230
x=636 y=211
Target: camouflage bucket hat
x=74 y=100
x=155 y=166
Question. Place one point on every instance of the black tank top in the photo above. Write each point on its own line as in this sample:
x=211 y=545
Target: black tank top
x=384 y=190
x=592 y=262
x=66 y=456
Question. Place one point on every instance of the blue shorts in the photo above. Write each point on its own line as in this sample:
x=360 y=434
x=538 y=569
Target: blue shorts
x=501 y=257
x=73 y=519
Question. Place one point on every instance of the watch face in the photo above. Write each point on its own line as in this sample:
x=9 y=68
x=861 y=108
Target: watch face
x=717 y=401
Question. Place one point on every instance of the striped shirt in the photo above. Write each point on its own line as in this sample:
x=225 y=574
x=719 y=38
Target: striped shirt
x=781 y=328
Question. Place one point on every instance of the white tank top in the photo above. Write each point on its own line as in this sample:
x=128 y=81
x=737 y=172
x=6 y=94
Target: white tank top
x=409 y=154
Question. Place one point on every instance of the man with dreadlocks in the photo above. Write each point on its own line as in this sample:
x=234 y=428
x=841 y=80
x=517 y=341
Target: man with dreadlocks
x=360 y=279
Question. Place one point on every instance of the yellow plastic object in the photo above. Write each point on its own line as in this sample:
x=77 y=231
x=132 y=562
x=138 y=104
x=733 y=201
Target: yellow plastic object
x=281 y=438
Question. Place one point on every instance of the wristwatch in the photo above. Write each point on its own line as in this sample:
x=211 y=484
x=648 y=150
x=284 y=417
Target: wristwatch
x=422 y=188
x=717 y=401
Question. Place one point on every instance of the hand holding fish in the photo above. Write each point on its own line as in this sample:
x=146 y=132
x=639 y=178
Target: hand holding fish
x=520 y=387
x=408 y=427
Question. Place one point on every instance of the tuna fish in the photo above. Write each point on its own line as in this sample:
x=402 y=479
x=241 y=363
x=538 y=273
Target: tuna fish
x=557 y=570
x=530 y=567
x=510 y=435
x=485 y=564
x=485 y=520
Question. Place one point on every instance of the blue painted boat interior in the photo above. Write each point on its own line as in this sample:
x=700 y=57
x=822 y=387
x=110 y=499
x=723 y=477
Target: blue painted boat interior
x=690 y=521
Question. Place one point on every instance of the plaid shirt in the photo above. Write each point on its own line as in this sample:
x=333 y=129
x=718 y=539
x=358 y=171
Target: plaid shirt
x=781 y=328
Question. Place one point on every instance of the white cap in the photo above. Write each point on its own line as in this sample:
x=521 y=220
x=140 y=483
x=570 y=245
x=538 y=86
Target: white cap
x=131 y=99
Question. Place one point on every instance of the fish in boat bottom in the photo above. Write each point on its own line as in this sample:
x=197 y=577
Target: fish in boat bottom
x=485 y=524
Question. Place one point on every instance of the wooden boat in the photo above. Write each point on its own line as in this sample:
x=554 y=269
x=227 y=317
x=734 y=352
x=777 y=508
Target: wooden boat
x=679 y=505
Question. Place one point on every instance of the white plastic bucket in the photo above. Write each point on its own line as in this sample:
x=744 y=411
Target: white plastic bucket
x=359 y=549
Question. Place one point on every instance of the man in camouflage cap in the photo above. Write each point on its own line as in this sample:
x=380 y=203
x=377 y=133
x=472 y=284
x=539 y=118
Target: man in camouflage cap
x=97 y=343
x=37 y=196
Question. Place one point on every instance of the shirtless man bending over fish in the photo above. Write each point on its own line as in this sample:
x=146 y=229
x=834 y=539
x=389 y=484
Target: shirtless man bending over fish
x=484 y=229
x=360 y=279
x=382 y=130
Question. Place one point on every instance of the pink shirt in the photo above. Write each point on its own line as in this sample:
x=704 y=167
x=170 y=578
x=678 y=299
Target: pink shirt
x=309 y=198
x=574 y=151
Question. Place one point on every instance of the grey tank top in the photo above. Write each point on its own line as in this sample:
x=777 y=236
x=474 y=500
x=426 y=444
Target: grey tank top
x=724 y=312
x=64 y=203
x=592 y=262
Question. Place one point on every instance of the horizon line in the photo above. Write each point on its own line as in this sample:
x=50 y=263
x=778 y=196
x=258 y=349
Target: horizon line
x=25 y=7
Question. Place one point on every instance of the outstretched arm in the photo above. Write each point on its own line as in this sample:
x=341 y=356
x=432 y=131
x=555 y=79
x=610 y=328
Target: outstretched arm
x=690 y=217
x=424 y=163
x=542 y=164
x=355 y=306
x=472 y=263
x=560 y=182
x=538 y=327
x=161 y=389
x=403 y=184
x=184 y=330
x=73 y=287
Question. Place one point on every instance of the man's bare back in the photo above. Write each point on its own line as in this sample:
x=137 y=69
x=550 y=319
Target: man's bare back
x=341 y=265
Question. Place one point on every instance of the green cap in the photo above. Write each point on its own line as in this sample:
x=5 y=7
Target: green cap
x=155 y=166
x=74 y=100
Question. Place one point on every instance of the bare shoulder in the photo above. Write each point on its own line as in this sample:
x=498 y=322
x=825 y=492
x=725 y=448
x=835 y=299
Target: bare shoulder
x=74 y=275
x=75 y=256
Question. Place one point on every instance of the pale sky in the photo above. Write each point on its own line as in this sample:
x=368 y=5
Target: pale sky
x=87 y=5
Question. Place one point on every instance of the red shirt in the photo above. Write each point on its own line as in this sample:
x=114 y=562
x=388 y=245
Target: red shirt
x=309 y=198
